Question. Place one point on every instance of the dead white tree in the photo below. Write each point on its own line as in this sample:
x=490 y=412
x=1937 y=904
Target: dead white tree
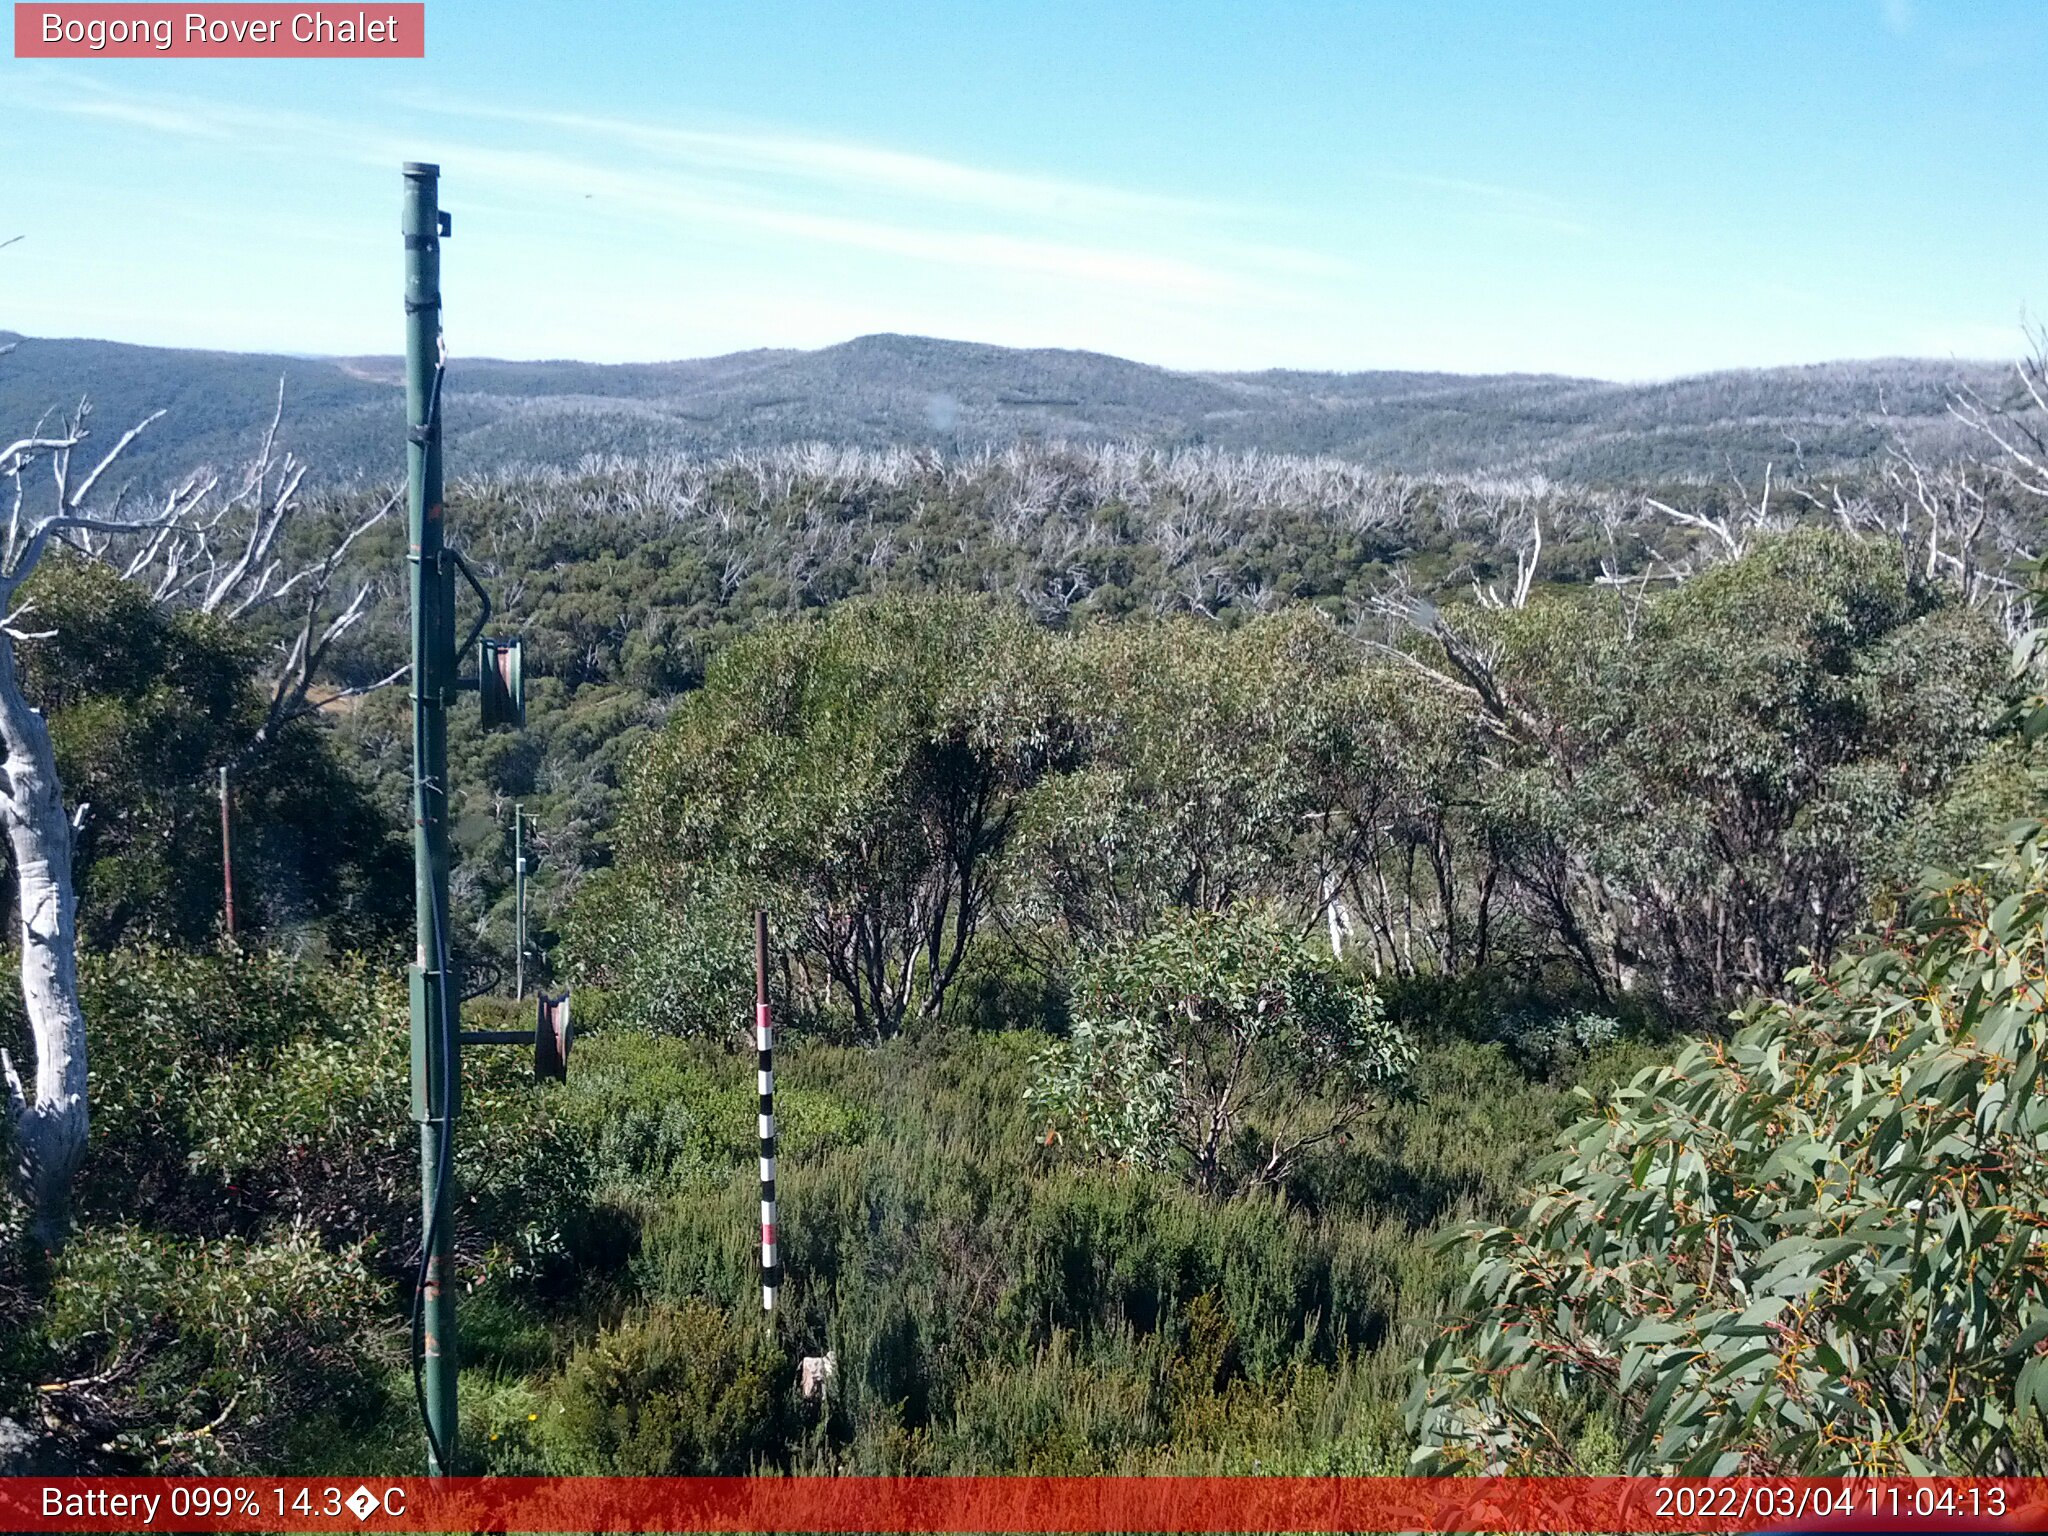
x=1733 y=534
x=230 y=552
x=2018 y=431
x=192 y=547
x=49 y=1116
x=1528 y=556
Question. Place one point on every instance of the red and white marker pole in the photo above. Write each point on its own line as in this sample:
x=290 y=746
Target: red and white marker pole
x=764 y=1043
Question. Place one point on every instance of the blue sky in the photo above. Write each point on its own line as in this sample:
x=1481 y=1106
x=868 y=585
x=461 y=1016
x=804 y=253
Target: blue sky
x=1624 y=189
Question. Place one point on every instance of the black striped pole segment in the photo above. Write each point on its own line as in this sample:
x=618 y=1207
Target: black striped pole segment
x=764 y=1044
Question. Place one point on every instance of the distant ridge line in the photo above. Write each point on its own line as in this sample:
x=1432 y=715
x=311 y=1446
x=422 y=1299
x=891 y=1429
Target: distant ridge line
x=915 y=391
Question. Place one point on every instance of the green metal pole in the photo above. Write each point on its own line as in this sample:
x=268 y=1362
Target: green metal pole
x=436 y=1066
x=227 y=851
x=519 y=898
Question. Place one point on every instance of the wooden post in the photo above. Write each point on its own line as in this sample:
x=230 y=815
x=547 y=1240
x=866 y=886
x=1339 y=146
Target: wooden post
x=227 y=851
x=519 y=901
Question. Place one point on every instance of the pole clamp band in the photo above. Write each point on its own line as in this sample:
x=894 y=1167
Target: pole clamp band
x=415 y=306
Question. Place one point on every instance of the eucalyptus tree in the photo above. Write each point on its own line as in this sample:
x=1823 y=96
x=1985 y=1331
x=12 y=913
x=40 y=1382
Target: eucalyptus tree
x=1413 y=869
x=1816 y=1247
x=1693 y=792
x=1812 y=1249
x=861 y=774
x=1217 y=1043
x=144 y=703
x=49 y=1115
x=1197 y=781
x=221 y=548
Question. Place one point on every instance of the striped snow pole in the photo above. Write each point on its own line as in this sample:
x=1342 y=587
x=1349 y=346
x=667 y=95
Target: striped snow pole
x=764 y=1043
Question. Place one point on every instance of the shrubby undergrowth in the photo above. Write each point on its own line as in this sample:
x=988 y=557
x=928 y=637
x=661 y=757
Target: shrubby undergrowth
x=1045 y=875
x=246 y=1207
x=1814 y=1248
x=992 y=1303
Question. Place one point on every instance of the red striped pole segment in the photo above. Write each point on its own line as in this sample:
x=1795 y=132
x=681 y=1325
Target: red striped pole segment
x=764 y=1045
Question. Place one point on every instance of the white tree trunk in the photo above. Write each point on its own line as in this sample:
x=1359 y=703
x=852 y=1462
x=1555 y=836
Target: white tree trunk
x=49 y=1122
x=49 y=1117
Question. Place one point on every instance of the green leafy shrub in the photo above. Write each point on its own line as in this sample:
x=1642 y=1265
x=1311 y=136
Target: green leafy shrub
x=1716 y=786
x=250 y=1206
x=145 y=706
x=1203 y=772
x=169 y=1033
x=856 y=773
x=667 y=966
x=654 y=1111
x=1066 y=1411
x=970 y=1283
x=675 y=1391
x=1546 y=1040
x=1219 y=1042
x=999 y=988
x=239 y=1090
x=1816 y=1248
x=188 y=1337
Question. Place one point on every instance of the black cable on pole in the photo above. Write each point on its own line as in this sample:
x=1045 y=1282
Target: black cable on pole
x=443 y=1170
x=444 y=1162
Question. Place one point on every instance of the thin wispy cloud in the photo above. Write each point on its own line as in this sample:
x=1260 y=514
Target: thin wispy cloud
x=1519 y=205
x=795 y=189
x=938 y=209
x=651 y=192
x=80 y=95
x=847 y=166
x=142 y=115
x=1449 y=191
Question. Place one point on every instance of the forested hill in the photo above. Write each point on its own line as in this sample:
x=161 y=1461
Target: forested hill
x=343 y=413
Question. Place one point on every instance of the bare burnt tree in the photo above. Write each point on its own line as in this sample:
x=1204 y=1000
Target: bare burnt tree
x=230 y=547
x=49 y=1112
x=1528 y=557
x=195 y=546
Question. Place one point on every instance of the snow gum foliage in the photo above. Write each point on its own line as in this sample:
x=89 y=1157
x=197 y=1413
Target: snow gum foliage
x=1705 y=791
x=1673 y=799
x=145 y=707
x=248 y=1207
x=860 y=775
x=1218 y=1042
x=1815 y=1247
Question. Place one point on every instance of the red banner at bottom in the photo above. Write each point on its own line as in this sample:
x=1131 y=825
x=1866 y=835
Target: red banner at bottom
x=1025 y=1504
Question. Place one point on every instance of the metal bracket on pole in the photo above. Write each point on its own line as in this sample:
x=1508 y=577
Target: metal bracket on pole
x=500 y=679
x=550 y=1037
x=483 y=597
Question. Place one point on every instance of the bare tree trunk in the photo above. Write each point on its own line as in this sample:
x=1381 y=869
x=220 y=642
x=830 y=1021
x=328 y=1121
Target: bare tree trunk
x=50 y=1117
x=50 y=1124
